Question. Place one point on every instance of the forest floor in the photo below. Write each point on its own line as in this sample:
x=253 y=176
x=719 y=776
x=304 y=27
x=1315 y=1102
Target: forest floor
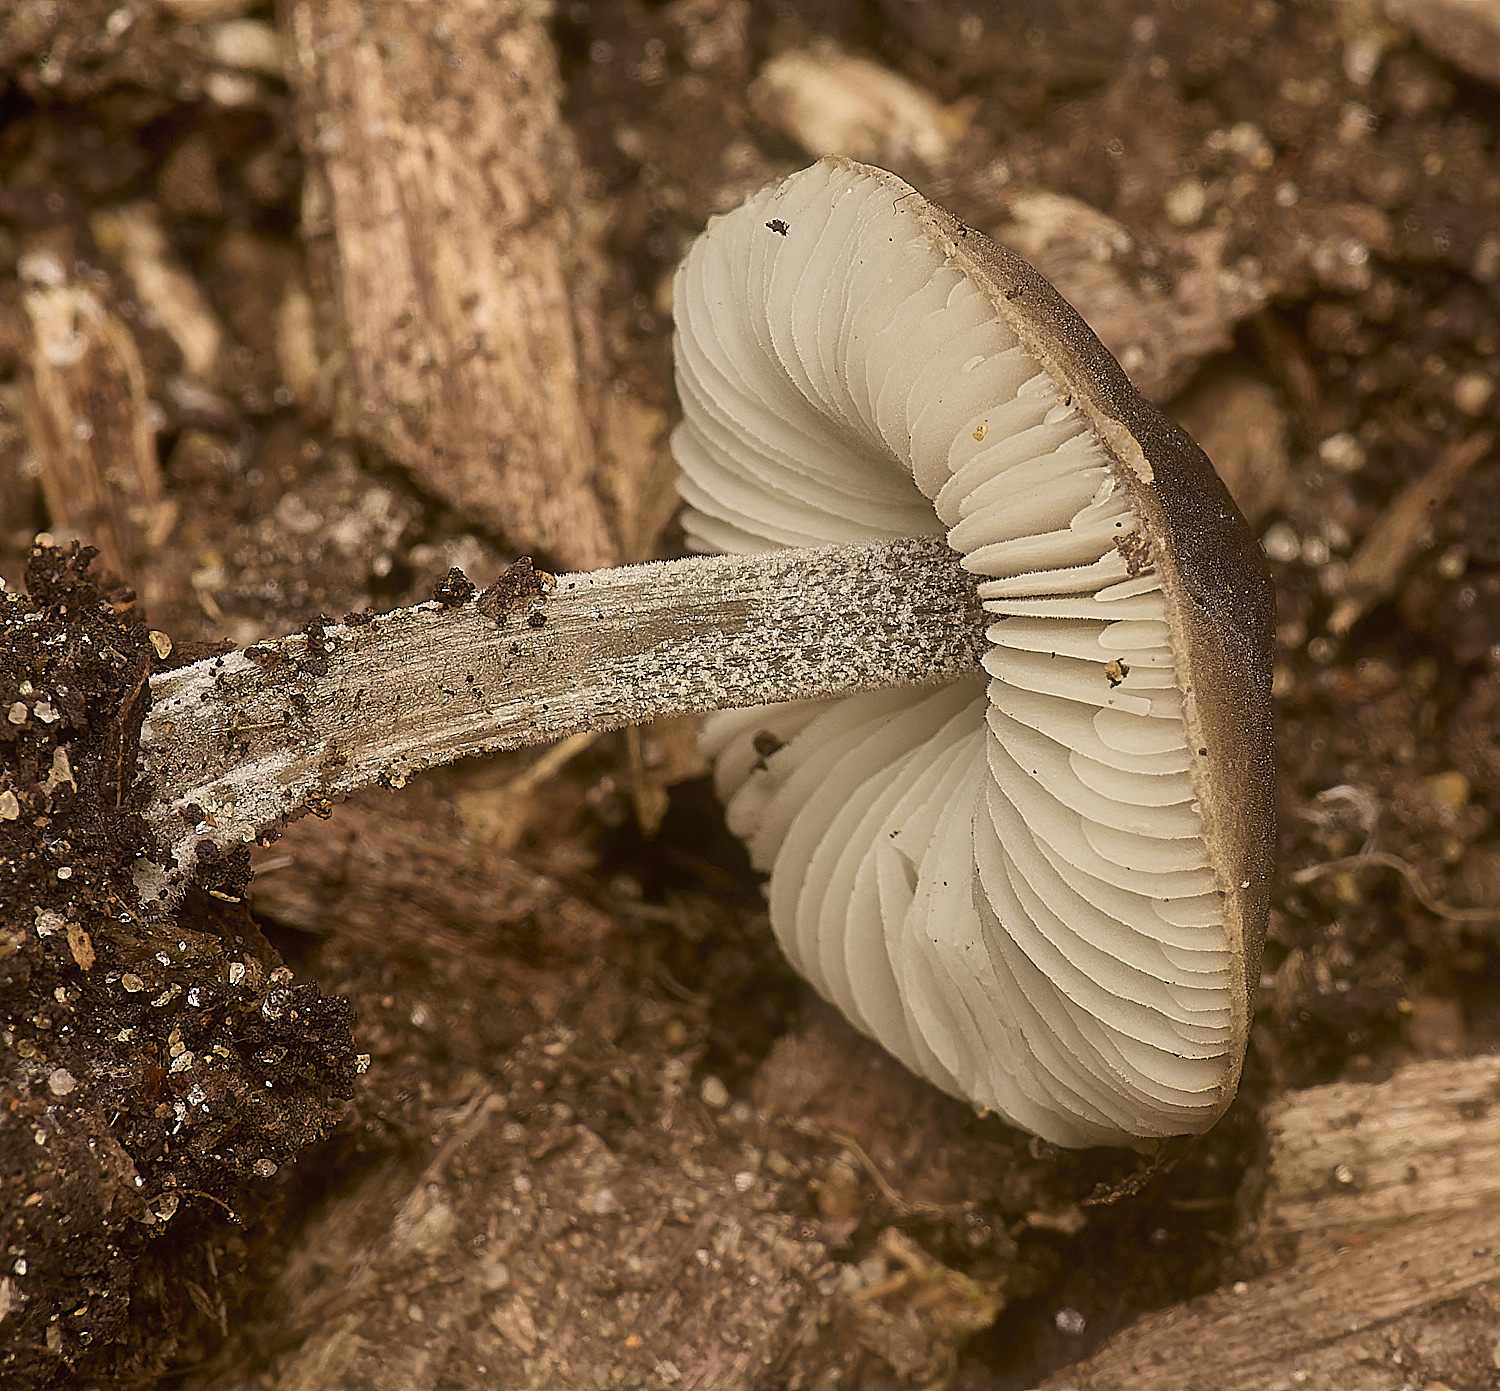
x=1285 y=227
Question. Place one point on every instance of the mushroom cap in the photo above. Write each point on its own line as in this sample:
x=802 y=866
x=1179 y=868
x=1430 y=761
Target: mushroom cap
x=1043 y=888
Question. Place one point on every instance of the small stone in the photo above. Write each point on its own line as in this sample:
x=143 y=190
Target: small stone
x=1185 y=203
x=61 y=1082
x=714 y=1093
x=161 y=644
x=17 y=713
x=1281 y=543
x=230 y=89
x=263 y=1168
x=1472 y=392
x=1342 y=452
x=1249 y=141
x=62 y=772
x=42 y=268
x=1362 y=56
x=495 y=1275
x=65 y=872
x=45 y=713
x=131 y=984
x=10 y=806
x=250 y=45
x=1070 y=1321
x=48 y=921
x=1452 y=563
x=1450 y=789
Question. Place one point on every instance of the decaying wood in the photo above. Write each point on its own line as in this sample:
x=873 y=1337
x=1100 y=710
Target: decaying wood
x=536 y=1256
x=163 y=286
x=1385 y=1198
x=1362 y=1318
x=395 y=887
x=1350 y=1160
x=239 y=743
x=526 y=1245
x=446 y=216
x=1403 y=529
x=84 y=405
x=1158 y=338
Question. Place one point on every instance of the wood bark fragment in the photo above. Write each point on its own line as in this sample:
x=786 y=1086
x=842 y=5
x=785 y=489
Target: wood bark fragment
x=1403 y=529
x=1385 y=1200
x=395 y=886
x=84 y=407
x=1325 y=1325
x=1159 y=339
x=134 y=236
x=1243 y=428
x=445 y=212
x=529 y=1252
x=1351 y=1159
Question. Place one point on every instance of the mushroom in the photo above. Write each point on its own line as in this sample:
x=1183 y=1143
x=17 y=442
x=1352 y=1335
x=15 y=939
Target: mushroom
x=1043 y=888
x=998 y=645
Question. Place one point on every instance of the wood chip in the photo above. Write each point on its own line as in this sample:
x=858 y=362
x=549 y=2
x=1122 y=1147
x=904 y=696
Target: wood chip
x=84 y=405
x=448 y=224
x=1159 y=338
x=134 y=236
x=1402 y=530
x=1351 y=1159
x=1386 y=1199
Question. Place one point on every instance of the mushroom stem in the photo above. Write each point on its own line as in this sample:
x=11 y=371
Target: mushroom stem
x=238 y=744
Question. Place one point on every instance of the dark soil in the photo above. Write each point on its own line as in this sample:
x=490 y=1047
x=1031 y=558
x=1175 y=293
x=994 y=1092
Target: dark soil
x=154 y=1064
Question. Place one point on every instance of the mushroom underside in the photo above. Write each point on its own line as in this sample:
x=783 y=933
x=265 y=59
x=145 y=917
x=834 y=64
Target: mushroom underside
x=1006 y=881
